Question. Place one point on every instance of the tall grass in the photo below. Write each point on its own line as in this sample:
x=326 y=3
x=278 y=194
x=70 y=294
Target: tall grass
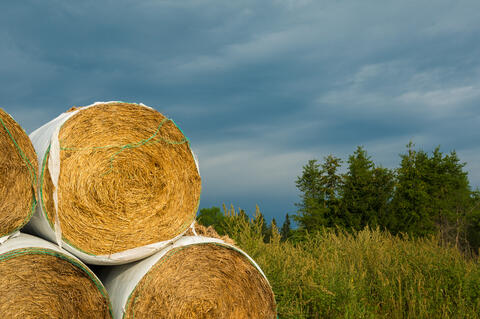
x=369 y=274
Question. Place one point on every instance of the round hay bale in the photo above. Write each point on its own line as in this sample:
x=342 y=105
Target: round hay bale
x=197 y=277
x=39 y=280
x=18 y=174
x=115 y=177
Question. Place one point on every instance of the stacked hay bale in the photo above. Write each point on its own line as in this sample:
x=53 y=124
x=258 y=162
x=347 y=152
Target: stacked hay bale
x=118 y=181
x=18 y=174
x=38 y=279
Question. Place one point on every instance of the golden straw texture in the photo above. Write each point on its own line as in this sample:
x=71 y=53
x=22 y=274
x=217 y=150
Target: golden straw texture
x=40 y=285
x=209 y=231
x=127 y=179
x=202 y=281
x=17 y=175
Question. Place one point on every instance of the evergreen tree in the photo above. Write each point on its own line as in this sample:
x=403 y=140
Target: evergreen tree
x=311 y=210
x=286 y=228
x=432 y=195
x=319 y=186
x=383 y=187
x=450 y=192
x=331 y=183
x=473 y=222
x=366 y=192
x=411 y=200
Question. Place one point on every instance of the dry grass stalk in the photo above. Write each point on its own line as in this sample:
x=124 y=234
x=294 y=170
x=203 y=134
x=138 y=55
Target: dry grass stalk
x=209 y=231
x=18 y=170
x=127 y=179
x=202 y=281
x=39 y=283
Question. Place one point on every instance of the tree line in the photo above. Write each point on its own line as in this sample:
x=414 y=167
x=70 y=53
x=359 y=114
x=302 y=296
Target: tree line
x=429 y=193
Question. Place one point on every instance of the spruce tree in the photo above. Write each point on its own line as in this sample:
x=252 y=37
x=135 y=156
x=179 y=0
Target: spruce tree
x=286 y=228
x=311 y=210
x=432 y=195
x=366 y=192
x=319 y=185
x=411 y=202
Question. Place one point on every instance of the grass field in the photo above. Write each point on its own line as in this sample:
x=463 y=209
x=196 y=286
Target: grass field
x=370 y=274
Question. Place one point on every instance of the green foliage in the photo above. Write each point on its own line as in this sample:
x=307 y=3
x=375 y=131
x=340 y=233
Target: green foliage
x=273 y=227
x=433 y=195
x=420 y=261
x=366 y=192
x=286 y=230
x=319 y=185
x=367 y=274
x=427 y=194
x=260 y=220
x=212 y=217
x=247 y=231
x=473 y=222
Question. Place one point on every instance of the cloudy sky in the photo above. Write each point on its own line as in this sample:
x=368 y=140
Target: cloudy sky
x=260 y=87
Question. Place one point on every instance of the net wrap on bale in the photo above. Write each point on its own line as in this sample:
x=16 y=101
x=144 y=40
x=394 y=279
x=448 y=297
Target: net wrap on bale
x=196 y=277
x=40 y=280
x=18 y=176
x=118 y=182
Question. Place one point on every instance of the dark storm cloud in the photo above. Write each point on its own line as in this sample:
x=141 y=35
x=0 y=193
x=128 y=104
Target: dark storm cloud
x=260 y=87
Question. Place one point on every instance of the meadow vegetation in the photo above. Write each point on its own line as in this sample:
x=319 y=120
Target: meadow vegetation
x=364 y=274
x=370 y=242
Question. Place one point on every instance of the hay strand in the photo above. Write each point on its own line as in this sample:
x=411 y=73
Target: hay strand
x=199 y=230
x=18 y=176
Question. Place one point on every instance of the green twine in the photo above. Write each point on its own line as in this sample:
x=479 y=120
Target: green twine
x=42 y=175
x=44 y=251
x=31 y=170
x=148 y=141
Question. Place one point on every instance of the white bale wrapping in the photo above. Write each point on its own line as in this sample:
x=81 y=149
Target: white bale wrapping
x=121 y=281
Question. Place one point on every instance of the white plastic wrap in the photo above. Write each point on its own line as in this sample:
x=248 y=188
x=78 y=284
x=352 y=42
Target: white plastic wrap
x=21 y=241
x=120 y=281
x=44 y=138
x=12 y=235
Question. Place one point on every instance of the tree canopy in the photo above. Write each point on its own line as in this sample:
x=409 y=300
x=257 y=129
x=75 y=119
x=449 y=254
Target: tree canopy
x=428 y=193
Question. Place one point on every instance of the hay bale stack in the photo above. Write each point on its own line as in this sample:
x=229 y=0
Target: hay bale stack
x=197 y=277
x=39 y=280
x=127 y=179
x=18 y=173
